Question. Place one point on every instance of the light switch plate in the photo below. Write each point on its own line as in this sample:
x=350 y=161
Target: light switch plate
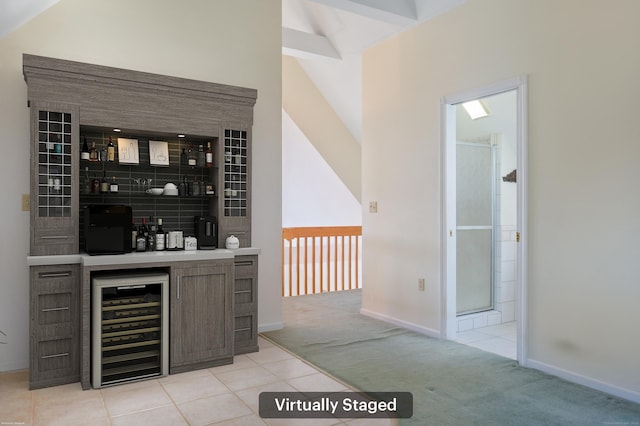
x=373 y=207
x=26 y=202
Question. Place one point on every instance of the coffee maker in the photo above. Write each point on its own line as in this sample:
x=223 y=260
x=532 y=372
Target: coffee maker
x=206 y=232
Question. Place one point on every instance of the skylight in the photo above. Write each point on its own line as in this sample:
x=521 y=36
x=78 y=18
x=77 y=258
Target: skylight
x=475 y=109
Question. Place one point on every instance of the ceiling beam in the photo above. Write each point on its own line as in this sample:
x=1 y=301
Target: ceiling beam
x=396 y=12
x=307 y=46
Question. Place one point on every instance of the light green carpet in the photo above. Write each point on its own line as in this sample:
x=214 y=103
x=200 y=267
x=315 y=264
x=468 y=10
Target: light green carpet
x=452 y=384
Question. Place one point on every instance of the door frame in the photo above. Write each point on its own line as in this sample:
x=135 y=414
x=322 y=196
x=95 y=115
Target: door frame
x=448 y=327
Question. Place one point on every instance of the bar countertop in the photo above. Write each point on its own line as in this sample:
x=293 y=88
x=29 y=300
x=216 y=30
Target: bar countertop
x=142 y=257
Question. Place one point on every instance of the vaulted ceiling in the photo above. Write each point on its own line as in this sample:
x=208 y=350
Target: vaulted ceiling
x=328 y=37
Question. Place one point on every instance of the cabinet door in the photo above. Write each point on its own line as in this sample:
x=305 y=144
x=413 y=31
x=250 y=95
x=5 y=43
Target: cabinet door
x=201 y=314
x=54 y=178
x=54 y=325
x=235 y=193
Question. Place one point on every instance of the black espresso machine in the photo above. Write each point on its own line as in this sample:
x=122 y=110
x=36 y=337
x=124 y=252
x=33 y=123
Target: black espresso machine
x=206 y=232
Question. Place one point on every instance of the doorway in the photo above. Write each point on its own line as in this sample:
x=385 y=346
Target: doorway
x=484 y=279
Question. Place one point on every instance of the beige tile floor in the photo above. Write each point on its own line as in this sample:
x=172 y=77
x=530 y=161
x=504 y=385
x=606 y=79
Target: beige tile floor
x=226 y=395
x=498 y=339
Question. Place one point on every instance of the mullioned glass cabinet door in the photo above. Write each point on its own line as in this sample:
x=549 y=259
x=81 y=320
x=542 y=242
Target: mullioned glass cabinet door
x=54 y=179
x=235 y=208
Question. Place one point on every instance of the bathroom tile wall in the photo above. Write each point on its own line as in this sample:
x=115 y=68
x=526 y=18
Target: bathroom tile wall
x=505 y=288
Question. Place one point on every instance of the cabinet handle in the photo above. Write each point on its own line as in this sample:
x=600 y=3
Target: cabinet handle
x=245 y=263
x=242 y=329
x=54 y=237
x=242 y=291
x=54 y=356
x=66 y=308
x=131 y=287
x=178 y=287
x=55 y=274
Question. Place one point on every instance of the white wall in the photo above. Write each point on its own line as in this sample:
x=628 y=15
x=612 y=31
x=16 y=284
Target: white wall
x=226 y=41
x=312 y=193
x=582 y=60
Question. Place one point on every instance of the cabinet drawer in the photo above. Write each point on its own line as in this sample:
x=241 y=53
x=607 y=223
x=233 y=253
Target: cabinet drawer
x=54 y=308
x=51 y=241
x=245 y=333
x=55 y=355
x=244 y=327
x=243 y=291
x=245 y=268
x=56 y=278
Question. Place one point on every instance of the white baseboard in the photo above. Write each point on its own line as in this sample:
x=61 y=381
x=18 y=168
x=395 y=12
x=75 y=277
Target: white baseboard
x=13 y=366
x=585 y=381
x=404 y=324
x=270 y=327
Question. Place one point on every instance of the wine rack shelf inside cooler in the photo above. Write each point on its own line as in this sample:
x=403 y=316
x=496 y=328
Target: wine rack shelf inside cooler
x=130 y=327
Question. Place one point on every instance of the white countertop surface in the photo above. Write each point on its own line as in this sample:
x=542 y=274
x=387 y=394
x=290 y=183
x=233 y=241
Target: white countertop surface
x=143 y=257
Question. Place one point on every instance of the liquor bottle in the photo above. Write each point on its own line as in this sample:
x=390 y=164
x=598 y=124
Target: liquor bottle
x=201 y=156
x=113 y=187
x=104 y=185
x=191 y=156
x=160 y=236
x=151 y=236
x=195 y=187
x=141 y=239
x=183 y=158
x=86 y=185
x=134 y=234
x=187 y=188
x=95 y=185
x=84 y=155
x=182 y=188
x=93 y=152
x=209 y=156
x=111 y=151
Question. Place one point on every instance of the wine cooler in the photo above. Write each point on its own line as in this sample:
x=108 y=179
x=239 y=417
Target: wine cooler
x=130 y=327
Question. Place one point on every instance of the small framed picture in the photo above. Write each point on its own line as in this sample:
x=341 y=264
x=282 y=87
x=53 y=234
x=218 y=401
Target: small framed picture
x=128 y=151
x=158 y=153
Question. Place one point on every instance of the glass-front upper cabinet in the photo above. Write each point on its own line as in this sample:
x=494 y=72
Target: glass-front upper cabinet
x=54 y=164
x=235 y=211
x=235 y=172
x=54 y=179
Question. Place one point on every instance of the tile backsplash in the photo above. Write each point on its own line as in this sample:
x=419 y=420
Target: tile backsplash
x=177 y=212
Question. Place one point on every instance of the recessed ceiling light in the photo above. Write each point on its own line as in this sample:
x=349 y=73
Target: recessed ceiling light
x=117 y=130
x=475 y=109
x=181 y=135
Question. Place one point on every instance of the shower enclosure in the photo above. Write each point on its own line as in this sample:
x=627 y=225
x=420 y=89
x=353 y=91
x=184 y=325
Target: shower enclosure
x=476 y=217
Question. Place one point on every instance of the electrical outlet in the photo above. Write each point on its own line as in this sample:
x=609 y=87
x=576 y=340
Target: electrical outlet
x=420 y=284
x=373 y=207
x=26 y=203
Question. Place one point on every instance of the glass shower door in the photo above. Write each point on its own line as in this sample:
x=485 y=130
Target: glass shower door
x=474 y=224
